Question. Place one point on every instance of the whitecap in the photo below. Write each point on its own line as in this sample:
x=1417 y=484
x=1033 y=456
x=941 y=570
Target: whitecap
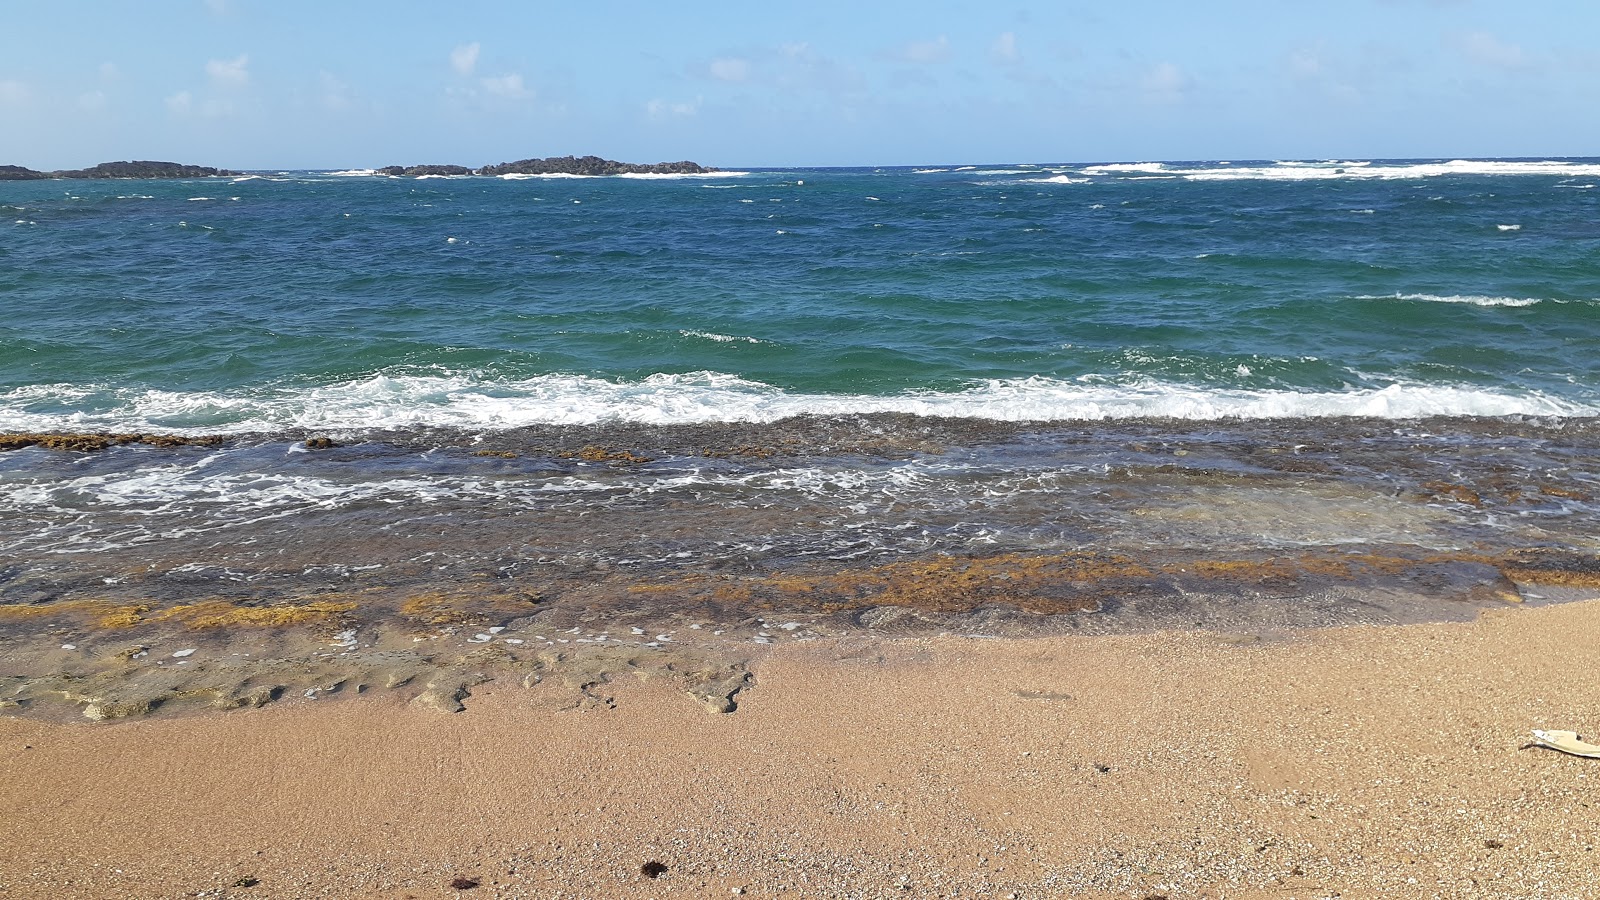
x=676 y=175
x=723 y=338
x=1121 y=168
x=1472 y=299
x=385 y=401
x=1509 y=227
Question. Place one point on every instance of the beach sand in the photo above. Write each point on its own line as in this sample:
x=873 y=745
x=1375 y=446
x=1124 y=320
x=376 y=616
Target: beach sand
x=1349 y=762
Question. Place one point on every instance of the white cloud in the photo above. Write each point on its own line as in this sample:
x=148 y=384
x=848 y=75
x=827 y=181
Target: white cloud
x=934 y=51
x=730 y=69
x=1305 y=63
x=335 y=93
x=661 y=109
x=464 y=59
x=1485 y=49
x=92 y=101
x=1004 y=48
x=219 y=7
x=229 y=72
x=13 y=93
x=1165 y=83
x=508 y=86
x=180 y=103
x=109 y=71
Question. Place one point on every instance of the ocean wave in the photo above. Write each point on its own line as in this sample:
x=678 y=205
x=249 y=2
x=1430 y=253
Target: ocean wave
x=351 y=173
x=724 y=338
x=1126 y=169
x=669 y=176
x=1313 y=171
x=1474 y=300
x=465 y=401
x=1054 y=179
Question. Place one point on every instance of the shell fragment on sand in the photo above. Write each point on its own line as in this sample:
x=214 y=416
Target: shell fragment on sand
x=1564 y=741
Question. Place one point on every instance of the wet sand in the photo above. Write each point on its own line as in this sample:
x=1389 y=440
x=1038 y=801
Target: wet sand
x=1360 y=761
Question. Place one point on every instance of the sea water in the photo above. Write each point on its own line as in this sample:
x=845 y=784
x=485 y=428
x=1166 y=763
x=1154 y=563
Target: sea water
x=585 y=385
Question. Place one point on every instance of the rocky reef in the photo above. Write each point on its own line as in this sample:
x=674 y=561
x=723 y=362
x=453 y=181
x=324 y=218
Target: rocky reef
x=592 y=165
x=425 y=170
x=557 y=165
x=139 y=168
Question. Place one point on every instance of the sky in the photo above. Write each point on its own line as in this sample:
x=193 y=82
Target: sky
x=255 y=84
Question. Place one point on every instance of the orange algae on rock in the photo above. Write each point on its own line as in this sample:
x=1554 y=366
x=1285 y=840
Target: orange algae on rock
x=223 y=614
x=464 y=607
x=604 y=454
x=90 y=442
x=101 y=613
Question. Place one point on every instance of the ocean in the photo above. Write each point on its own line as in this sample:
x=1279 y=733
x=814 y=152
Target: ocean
x=956 y=397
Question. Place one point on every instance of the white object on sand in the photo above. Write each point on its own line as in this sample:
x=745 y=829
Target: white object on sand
x=179 y=654
x=1564 y=741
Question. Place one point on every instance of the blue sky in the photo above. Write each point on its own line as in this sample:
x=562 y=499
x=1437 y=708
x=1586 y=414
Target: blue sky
x=257 y=84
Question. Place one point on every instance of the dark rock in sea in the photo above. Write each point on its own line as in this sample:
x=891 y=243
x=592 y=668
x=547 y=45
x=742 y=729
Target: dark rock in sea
x=18 y=173
x=142 y=168
x=592 y=165
x=424 y=170
x=139 y=168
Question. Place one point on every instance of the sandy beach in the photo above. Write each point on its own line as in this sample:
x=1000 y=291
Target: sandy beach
x=1348 y=762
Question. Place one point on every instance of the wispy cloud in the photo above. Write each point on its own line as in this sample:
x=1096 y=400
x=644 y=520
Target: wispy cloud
x=464 y=59
x=661 y=110
x=924 y=52
x=14 y=93
x=1485 y=49
x=508 y=87
x=730 y=68
x=92 y=101
x=181 y=103
x=229 y=72
x=1004 y=49
x=335 y=93
x=1164 y=83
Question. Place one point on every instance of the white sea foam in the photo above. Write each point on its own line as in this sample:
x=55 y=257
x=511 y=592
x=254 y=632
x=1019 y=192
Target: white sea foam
x=1124 y=168
x=1313 y=171
x=465 y=401
x=347 y=172
x=1055 y=179
x=929 y=171
x=723 y=338
x=673 y=175
x=1473 y=299
x=1509 y=227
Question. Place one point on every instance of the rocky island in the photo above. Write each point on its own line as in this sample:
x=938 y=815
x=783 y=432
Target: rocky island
x=553 y=165
x=139 y=168
x=558 y=165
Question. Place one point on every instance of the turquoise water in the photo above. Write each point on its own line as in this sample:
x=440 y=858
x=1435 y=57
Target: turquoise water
x=314 y=300
x=584 y=389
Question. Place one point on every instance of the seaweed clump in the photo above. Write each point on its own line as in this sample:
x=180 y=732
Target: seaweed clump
x=89 y=442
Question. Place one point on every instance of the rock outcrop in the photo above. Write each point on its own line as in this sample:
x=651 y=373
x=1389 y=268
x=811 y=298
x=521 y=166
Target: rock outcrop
x=425 y=170
x=18 y=173
x=139 y=168
x=592 y=165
